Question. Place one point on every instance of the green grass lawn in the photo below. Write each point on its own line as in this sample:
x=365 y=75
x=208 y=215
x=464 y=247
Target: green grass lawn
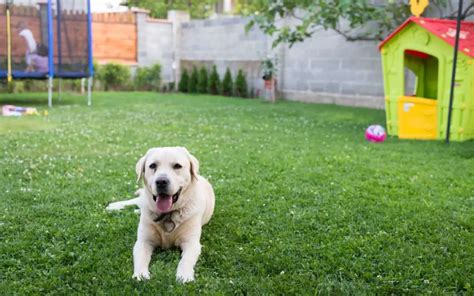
x=303 y=203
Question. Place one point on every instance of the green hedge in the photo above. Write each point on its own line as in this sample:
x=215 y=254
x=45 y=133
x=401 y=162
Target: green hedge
x=148 y=78
x=114 y=76
x=193 y=81
x=240 y=87
x=183 y=85
x=214 y=82
x=202 y=81
x=227 y=84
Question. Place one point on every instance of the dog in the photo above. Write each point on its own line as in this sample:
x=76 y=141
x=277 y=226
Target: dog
x=174 y=202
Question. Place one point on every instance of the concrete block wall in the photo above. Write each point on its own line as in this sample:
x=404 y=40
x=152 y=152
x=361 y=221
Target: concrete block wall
x=221 y=39
x=224 y=43
x=155 y=44
x=338 y=71
x=325 y=68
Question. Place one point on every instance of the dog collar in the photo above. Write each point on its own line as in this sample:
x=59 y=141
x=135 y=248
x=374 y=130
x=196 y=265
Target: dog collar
x=166 y=221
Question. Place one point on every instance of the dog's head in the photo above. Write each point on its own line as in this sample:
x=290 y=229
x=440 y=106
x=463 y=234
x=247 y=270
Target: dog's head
x=167 y=172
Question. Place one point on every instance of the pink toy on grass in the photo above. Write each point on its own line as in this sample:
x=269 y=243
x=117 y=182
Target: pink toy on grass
x=375 y=133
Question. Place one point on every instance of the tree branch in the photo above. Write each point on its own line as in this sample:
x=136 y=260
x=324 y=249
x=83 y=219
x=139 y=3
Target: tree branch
x=356 y=38
x=439 y=9
x=465 y=13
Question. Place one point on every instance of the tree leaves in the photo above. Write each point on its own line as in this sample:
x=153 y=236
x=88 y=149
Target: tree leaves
x=353 y=19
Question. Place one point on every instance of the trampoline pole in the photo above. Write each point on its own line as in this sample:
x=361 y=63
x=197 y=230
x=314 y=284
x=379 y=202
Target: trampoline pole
x=9 y=46
x=60 y=88
x=50 y=55
x=50 y=91
x=89 y=54
x=89 y=91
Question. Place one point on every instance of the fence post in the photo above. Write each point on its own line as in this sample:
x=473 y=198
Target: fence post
x=177 y=17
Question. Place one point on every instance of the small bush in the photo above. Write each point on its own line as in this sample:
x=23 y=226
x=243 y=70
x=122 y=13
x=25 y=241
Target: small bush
x=148 y=78
x=193 y=81
x=171 y=86
x=183 y=85
x=214 y=82
x=240 y=89
x=227 y=84
x=202 y=81
x=114 y=76
x=30 y=85
x=164 y=88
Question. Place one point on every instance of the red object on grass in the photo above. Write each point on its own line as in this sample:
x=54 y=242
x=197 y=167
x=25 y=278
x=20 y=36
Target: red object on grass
x=444 y=29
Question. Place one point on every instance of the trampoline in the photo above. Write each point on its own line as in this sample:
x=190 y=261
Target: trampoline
x=46 y=39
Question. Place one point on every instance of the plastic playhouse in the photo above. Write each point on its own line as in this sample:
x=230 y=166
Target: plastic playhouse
x=417 y=61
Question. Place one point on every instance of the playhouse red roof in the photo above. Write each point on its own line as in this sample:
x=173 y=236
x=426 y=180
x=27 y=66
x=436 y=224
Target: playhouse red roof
x=444 y=29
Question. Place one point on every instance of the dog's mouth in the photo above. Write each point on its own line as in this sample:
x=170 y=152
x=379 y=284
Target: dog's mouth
x=164 y=202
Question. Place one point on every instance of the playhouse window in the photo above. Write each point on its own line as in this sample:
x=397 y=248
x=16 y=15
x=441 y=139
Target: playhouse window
x=421 y=74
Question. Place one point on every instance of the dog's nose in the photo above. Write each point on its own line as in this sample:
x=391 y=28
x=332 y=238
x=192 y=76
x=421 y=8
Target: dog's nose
x=162 y=183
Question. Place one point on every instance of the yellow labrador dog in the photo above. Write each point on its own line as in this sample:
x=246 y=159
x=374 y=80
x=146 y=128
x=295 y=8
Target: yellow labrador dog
x=175 y=202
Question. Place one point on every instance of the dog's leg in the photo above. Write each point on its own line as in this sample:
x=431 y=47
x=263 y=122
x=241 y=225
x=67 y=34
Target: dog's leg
x=122 y=204
x=141 y=259
x=189 y=257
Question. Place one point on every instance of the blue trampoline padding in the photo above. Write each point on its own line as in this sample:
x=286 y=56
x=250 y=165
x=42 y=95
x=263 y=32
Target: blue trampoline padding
x=71 y=75
x=42 y=75
x=23 y=74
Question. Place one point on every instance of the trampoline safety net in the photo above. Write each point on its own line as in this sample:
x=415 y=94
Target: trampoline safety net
x=39 y=27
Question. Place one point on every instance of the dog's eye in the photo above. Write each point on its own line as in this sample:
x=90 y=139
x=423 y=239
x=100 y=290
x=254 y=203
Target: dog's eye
x=152 y=166
x=177 y=166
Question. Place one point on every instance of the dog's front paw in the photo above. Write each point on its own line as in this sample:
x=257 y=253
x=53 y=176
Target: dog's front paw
x=141 y=276
x=185 y=276
x=115 y=206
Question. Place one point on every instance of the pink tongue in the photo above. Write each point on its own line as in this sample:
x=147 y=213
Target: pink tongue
x=164 y=204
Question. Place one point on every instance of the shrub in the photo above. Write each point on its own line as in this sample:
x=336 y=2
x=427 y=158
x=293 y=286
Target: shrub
x=148 y=78
x=114 y=76
x=214 y=82
x=171 y=86
x=202 y=81
x=30 y=85
x=193 y=81
x=240 y=88
x=226 y=88
x=183 y=85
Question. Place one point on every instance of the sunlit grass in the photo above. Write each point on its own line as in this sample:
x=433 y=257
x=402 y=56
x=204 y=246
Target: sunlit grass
x=304 y=203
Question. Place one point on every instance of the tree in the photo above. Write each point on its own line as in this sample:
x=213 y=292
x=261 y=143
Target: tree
x=202 y=81
x=240 y=89
x=227 y=84
x=214 y=82
x=353 y=19
x=193 y=81
x=183 y=85
x=159 y=8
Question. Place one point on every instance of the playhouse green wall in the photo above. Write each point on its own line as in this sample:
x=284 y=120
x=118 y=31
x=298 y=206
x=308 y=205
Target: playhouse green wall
x=414 y=37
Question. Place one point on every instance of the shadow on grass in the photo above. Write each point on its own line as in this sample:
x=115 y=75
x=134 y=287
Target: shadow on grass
x=36 y=99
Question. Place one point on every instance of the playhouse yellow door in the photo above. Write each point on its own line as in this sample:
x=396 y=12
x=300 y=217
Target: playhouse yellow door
x=417 y=118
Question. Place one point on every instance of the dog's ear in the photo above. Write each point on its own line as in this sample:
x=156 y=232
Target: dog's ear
x=194 y=165
x=140 y=167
